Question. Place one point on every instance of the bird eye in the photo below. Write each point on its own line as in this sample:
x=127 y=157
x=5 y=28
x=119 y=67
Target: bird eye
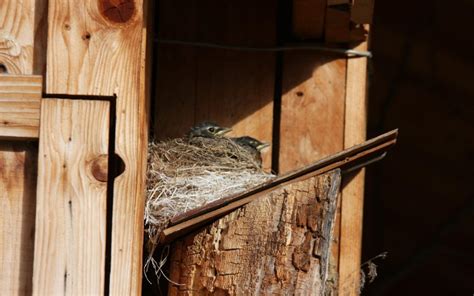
x=211 y=129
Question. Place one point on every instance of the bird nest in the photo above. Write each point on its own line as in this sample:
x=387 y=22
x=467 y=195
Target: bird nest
x=184 y=174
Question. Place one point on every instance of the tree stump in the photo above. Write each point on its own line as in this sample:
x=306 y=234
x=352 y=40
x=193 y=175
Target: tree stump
x=278 y=244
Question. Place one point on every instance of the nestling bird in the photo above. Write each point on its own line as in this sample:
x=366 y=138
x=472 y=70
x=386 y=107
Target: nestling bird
x=207 y=129
x=253 y=146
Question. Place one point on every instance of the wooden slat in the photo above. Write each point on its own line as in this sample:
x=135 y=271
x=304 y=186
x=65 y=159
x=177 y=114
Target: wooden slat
x=20 y=106
x=192 y=219
x=308 y=18
x=22 y=39
x=233 y=88
x=69 y=252
x=312 y=108
x=353 y=192
x=17 y=216
x=99 y=48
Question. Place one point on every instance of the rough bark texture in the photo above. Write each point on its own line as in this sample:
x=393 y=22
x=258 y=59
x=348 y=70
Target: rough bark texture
x=278 y=244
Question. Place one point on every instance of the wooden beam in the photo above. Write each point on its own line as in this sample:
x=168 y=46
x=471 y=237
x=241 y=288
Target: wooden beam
x=100 y=48
x=22 y=41
x=69 y=257
x=353 y=193
x=20 y=97
x=189 y=221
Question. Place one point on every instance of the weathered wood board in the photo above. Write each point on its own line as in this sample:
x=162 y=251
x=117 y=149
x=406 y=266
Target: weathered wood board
x=71 y=202
x=352 y=202
x=17 y=216
x=276 y=244
x=20 y=97
x=22 y=52
x=100 y=48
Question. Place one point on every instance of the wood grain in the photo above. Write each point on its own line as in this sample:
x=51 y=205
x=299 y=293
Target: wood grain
x=71 y=203
x=21 y=36
x=275 y=245
x=17 y=216
x=312 y=111
x=99 y=48
x=20 y=97
x=22 y=43
x=233 y=88
x=353 y=193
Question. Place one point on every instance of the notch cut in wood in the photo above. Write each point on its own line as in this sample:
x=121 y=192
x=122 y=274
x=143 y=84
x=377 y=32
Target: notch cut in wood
x=20 y=98
x=354 y=156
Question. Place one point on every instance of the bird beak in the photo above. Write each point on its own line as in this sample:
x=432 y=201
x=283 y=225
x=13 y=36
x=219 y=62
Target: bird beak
x=262 y=146
x=223 y=131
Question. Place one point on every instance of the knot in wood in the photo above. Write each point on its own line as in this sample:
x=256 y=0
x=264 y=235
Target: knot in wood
x=117 y=11
x=99 y=168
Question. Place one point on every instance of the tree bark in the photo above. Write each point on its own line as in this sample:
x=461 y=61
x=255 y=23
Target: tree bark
x=278 y=244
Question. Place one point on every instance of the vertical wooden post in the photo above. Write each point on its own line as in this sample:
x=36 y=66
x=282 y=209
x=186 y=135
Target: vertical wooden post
x=71 y=198
x=99 y=48
x=353 y=192
x=21 y=53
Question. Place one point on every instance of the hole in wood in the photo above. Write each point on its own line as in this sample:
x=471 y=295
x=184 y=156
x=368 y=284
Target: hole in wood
x=3 y=69
x=118 y=165
x=117 y=11
x=100 y=169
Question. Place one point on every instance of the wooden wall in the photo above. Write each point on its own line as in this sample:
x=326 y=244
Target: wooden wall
x=302 y=102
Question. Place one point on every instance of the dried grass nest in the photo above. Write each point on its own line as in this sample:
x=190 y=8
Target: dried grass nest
x=184 y=174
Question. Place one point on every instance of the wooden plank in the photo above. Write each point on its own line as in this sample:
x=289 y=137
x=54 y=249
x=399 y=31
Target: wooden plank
x=20 y=106
x=312 y=109
x=189 y=221
x=17 y=215
x=99 y=48
x=308 y=18
x=353 y=192
x=69 y=257
x=233 y=88
x=22 y=40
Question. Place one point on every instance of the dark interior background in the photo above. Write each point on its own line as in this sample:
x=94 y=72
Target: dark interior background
x=420 y=200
